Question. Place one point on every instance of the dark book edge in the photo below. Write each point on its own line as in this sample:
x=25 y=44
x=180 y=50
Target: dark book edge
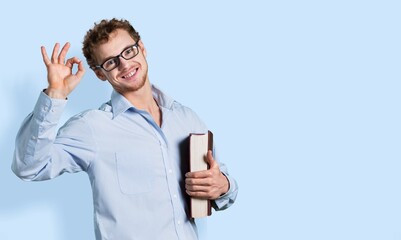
x=210 y=147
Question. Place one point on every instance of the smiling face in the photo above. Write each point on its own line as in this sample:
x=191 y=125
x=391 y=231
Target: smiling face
x=131 y=75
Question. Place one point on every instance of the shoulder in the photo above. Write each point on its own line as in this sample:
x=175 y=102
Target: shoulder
x=183 y=110
x=88 y=117
x=187 y=115
x=183 y=115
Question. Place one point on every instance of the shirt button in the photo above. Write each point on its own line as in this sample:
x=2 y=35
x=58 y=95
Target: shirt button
x=175 y=195
x=178 y=222
x=170 y=171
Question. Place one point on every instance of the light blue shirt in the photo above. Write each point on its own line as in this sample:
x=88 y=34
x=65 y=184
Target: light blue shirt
x=136 y=168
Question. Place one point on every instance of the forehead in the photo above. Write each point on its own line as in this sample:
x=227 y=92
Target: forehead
x=118 y=40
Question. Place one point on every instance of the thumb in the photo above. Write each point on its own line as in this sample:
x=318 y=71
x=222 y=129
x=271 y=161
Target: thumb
x=210 y=160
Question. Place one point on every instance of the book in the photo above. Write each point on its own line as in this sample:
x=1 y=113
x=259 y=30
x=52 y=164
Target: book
x=199 y=144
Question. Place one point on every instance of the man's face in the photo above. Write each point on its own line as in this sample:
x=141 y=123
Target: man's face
x=131 y=74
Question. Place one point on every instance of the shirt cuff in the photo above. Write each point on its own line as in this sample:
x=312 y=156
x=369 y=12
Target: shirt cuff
x=49 y=109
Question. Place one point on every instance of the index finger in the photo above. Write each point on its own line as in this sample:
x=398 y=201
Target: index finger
x=199 y=174
x=63 y=53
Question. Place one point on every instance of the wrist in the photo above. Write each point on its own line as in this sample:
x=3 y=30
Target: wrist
x=54 y=93
x=226 y=184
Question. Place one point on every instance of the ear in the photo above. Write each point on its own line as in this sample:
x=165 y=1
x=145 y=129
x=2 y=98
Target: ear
x=142 y=47
x=99 y=73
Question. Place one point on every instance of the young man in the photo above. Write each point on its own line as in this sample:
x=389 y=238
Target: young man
x=133 y=147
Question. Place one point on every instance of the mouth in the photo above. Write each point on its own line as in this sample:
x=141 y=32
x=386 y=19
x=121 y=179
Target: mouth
x=131 y=74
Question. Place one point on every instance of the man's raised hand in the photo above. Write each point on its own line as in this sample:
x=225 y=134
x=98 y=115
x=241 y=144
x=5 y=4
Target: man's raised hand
x=62 y=81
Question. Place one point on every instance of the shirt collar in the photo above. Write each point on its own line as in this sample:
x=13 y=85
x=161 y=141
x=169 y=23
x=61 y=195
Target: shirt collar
x=120 y=104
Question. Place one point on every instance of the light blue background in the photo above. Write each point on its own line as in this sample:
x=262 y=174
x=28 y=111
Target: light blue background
x=303 y=98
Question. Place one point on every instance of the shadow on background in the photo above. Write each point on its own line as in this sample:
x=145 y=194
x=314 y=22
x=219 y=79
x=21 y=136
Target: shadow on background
x=63 y=204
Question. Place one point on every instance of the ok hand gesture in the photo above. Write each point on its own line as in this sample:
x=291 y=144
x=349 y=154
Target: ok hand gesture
x=61 y=79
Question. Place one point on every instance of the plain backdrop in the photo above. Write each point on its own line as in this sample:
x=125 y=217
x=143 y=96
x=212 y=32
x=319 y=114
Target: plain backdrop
x=303 y=98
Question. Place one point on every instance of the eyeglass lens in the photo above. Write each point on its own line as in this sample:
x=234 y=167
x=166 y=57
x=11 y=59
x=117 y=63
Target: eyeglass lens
x=114 y=62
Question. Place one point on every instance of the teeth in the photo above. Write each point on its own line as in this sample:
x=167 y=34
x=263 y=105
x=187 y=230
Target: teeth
x=130 y=74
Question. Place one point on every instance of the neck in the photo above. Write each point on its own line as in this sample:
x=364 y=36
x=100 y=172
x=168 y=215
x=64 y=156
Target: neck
x=143 y=99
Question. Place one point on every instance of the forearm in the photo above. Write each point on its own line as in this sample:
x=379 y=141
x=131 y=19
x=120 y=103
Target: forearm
x=35 y=138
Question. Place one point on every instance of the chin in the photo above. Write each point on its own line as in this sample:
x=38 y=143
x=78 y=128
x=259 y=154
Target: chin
x=137 y=85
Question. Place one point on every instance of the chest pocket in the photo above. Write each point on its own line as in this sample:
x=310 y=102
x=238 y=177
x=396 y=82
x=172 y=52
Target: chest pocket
x=135 y=171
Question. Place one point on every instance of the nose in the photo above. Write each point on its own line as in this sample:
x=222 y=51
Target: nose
x=123 y=63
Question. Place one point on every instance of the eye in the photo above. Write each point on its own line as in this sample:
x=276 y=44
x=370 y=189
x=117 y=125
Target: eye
x=109 y=62
x=128 y=51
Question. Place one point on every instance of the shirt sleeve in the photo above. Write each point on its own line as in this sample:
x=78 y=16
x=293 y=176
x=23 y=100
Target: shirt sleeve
x=41 y=153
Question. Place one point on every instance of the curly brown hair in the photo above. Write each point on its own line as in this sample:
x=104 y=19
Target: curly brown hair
x=100 y=34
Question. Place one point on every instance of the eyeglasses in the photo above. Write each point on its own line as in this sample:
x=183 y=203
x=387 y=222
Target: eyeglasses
x=113 y=62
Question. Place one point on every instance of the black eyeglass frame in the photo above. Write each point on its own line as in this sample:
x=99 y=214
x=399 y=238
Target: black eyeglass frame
x=117 y=58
